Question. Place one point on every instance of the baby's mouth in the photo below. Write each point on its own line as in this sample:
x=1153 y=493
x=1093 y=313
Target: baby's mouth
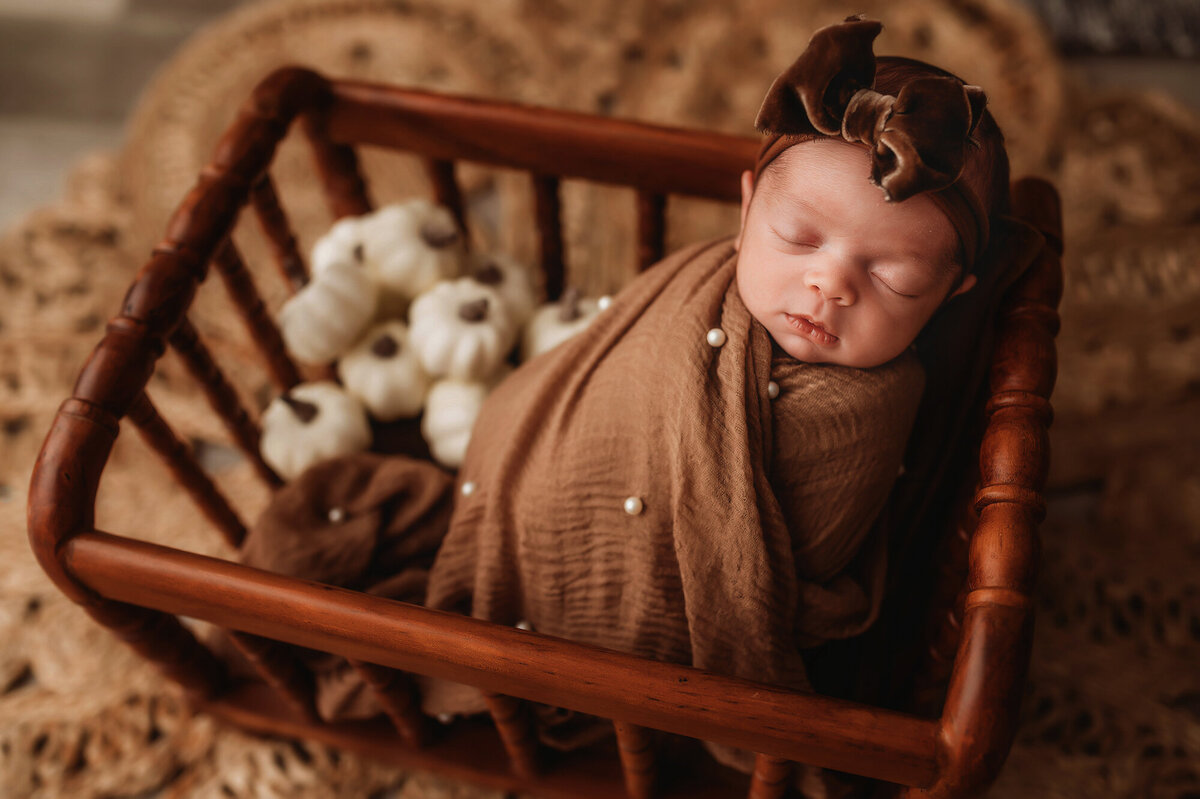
x=811 y=329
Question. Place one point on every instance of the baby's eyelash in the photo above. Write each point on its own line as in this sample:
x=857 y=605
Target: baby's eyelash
x=889 y=288
x=793 y=242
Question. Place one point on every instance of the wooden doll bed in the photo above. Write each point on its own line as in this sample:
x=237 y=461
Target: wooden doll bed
x=978 y=620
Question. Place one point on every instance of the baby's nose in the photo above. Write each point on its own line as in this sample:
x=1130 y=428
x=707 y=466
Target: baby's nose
x=833 y=279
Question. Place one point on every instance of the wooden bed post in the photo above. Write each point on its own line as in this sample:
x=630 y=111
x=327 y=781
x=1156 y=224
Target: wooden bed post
x=980 y=715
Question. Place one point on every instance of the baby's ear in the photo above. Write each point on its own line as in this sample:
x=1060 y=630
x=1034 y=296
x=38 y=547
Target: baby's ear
x=747 y=193
x=964 y=287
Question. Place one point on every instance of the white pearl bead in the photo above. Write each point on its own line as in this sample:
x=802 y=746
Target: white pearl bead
x=336 y=515
x=604 y=302
x=633 y=506
x=772 y=389
x=445 y=718
x=715 y=337
x=524 y=625
x=468 y=488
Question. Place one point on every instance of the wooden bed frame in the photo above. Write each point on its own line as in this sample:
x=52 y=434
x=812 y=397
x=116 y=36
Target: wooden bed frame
x=138 y=590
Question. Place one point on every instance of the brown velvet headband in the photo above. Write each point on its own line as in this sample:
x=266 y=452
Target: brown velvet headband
x=917 y=139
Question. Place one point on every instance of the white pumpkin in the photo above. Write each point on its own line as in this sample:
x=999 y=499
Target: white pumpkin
x=451 y=408
x=509 y=279
x=310 y=423
x=324 y=318
x=555 y=322
x=410 y=246
x=342 y=242
x=382 y=370
x=461 y=329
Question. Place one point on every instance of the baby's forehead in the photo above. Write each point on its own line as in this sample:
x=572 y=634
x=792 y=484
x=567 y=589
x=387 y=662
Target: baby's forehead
x=829 y=187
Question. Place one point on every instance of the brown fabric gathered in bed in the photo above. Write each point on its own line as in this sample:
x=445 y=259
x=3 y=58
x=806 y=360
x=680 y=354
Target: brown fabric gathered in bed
x=755 y=536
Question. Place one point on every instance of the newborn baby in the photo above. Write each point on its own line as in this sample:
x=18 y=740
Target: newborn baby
x=696 y=477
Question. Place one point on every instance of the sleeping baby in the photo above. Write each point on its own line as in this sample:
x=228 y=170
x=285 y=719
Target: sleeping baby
x=696 y=477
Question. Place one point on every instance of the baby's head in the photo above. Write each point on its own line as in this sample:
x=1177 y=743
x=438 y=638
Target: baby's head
x=846 y=248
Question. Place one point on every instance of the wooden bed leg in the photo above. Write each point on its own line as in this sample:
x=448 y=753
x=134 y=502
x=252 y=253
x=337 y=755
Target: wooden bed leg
x=281 y=669
x=515 y=725
x=638 y=759
x=397 y=694
x=770 y=778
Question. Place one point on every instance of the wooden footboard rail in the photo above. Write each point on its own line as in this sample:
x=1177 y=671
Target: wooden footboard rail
x=138 y=590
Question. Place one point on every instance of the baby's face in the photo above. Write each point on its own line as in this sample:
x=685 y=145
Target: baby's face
x=834 y=272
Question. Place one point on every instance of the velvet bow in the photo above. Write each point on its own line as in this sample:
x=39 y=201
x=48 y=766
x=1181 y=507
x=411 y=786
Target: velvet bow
x=918 y=138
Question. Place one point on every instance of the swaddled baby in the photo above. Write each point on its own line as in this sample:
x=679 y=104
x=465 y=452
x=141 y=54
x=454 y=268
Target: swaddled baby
x=695 y=477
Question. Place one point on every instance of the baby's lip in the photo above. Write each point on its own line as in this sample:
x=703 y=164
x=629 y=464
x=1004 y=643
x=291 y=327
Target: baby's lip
x=811 y=328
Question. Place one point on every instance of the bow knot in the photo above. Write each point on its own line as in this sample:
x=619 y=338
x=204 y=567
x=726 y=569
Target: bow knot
x=917 y=138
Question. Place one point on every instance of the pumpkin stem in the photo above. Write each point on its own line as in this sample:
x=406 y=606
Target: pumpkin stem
x=475 y=311
x=385 y=346
x=359 y=253
x=305 y=411
x=568 y=305
x=489 y=275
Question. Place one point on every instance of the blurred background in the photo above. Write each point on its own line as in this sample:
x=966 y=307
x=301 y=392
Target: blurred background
x=109 y=108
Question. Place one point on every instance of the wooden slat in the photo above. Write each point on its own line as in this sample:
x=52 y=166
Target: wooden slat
x=165 y=642
x=514 y=723
x=179 y=459
x=548 y=214
x=470 y=752
x=337 y=164
x=446 y=192
x=651 y=228
x=222 y=397
x=803 y=727
x=569 y=144
x=281 y=669
x=398 y=695
x=770 y=778
x=263 y=330
x=639 y=760
x=278 y=231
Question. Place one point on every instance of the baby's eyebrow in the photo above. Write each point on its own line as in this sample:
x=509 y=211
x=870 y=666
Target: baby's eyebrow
x=781 y=197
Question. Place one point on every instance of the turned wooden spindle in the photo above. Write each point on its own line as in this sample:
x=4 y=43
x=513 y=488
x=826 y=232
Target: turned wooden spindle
x=446 y=192
x=261 y=327
x=770 y=778
x=187 y=472
x=514 y=722
x=979 y=718
x=337 y=164
x=397 y=693
x=548 y=213
x=280 y=668
x=278 y=230
x=639 y=759
x=651 y=228
x=222 y=397
x=164 y=641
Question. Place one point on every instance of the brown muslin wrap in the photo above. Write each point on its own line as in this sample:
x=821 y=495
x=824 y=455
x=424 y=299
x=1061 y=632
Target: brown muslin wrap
x=755 y=531
x=755 y=535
